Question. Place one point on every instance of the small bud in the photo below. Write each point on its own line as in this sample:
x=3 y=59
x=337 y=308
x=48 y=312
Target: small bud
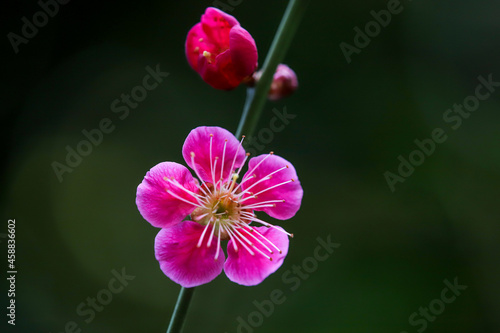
x=284 y=82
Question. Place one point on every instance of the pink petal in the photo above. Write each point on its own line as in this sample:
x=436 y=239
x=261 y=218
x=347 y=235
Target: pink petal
x=221 y=73
x=216 y=25
x=243 y=51
x=198 y=142
x=247 y=269
x=160 y=208
x=180 y=258
x=291 y=192
x=193 y=47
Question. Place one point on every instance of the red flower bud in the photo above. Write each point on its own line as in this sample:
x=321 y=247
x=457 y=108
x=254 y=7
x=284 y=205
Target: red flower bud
x=220 y=50
x=284 y=82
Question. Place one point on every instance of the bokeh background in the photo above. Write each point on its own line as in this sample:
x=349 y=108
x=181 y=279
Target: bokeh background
x=352 y=122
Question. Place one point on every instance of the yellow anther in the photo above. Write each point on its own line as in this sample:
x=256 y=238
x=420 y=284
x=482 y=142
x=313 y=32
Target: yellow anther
x=235 y=177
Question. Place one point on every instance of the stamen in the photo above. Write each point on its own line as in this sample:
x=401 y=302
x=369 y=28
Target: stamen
x=247 y=214
x=259 y=206
x=261 y=252
x=235 y=177
x=254 y=246
x=211 y=165
x=215 y=168
x=177 y=184
x=239 y=170
x=218 y=246
x=253 y=206
x=214 y=209
x=211 y=236
x=241 y=242
x=253 y=218
x=182 y=199
x=199 y=217
x=239 y=234
x=208 y=56
x=222 y=165
x=258 y=240
x=250 y=172
x=196 y=49
x=272 y=244
x=260 y=180
x=236 y=154
x=267 y=189
x=198 y=175
x=230 y=236
x=202 y=235
x=251 y=244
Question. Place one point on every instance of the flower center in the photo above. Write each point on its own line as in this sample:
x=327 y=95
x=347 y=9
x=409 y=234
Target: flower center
x=221 y=209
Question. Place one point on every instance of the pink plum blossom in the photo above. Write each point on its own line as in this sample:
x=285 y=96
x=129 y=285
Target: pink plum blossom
x=219 y=208
x=220 y=50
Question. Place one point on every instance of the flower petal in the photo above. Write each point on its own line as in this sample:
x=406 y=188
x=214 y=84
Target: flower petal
x=156 y=205
x=243 y=51
x=246 y=269
x=180 y=258
x=191 y=47
x=267 y=183
x=198 y=142
x=216 y=25
x=195 y=45
x=220 y=73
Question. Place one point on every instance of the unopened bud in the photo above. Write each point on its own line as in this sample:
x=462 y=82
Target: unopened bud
x=284 y=82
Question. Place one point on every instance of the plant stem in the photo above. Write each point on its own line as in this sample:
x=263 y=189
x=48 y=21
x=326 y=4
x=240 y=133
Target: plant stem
x=180 y=311
x=256 y=97
x=246 y=109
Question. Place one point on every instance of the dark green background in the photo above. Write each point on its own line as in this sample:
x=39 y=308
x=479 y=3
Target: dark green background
x=352 y=122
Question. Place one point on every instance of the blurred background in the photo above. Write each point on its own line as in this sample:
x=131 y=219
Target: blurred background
x=352 y=122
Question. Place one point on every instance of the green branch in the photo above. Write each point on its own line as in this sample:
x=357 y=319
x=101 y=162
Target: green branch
x=180 y=311
x=256 y=97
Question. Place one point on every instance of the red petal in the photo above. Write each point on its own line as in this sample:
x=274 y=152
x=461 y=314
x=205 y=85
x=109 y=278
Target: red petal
x=243 y=51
